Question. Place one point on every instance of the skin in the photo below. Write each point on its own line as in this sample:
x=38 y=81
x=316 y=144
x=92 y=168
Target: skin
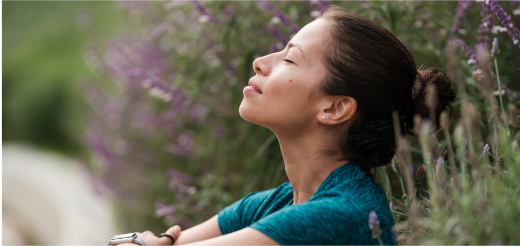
x=284 y=108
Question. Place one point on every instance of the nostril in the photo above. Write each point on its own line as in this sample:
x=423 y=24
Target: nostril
x=258 y=70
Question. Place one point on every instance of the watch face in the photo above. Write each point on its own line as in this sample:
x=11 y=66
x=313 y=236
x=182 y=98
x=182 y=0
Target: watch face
x=122 y=238
x=123 y=235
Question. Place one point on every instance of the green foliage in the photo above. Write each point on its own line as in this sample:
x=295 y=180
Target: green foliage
x=42 y=60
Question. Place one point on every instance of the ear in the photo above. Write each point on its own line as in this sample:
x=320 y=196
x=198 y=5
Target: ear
x=337 y=110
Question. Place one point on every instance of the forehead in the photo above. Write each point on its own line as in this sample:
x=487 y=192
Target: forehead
x=312 y=38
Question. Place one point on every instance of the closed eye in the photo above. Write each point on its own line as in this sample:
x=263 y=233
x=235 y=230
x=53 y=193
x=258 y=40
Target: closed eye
x=287 y=60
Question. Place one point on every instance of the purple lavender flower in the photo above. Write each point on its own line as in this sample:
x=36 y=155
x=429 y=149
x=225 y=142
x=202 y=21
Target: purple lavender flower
x=167 y=211
x=440 y=163
x=469 y=52
x=485 y=154
x=459 y=15
x=390 y=205
x=486 y=149
x=325 y=2
x=96 y=144
x=213 y=46
x=134 y=60
x=184 y=146
x=197 y=113
x=181 y=184
x=179 y=176
x=276 y=33
x=485 y=25
x=506 y=91
x=229 y=11
x=283 y=18
x=205 y=12
x=504 y=19
x=316 y=5
x=275 y=47
x=411 y=170
x=373 y=223
x=481 y=49
x=494 y=48
x=162 y=209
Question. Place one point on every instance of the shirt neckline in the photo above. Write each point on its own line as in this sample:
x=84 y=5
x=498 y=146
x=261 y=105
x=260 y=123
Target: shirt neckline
x=333 y=174
x=341 y=169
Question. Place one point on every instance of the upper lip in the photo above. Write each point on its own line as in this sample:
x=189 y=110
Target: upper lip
x=253 y=84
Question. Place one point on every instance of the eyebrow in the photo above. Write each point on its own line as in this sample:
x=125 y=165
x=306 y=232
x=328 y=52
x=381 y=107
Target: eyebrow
x=290 y=45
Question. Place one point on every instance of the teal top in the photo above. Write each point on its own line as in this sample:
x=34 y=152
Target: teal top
x=336 y=214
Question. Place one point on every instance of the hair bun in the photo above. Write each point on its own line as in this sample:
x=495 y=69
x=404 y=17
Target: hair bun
x=442 y=97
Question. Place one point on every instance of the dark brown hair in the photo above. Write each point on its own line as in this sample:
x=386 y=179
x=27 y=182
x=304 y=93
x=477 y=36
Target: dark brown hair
x=367 y=62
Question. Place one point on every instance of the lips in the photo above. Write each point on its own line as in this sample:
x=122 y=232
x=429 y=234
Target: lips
x=255 y=86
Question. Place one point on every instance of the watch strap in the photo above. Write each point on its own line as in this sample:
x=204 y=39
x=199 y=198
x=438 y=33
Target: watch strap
x=139 y=241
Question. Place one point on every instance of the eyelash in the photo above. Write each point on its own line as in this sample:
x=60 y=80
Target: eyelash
x=287 y=60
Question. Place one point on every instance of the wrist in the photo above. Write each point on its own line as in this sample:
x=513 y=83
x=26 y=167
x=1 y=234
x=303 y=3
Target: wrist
x=128 y=238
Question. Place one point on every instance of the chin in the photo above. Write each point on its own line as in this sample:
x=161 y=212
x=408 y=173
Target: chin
x=249 y=112
x=244 y=111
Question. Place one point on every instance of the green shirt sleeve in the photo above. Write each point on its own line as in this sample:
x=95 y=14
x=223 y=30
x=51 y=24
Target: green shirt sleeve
x=243 y=212
x=251 y=208
x=323 y=222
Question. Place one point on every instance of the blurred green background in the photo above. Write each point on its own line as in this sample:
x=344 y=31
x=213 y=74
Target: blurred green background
x=43 y=62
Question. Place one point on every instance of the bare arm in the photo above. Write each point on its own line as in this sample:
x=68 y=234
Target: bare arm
x=207 y=233
x=205 y=230
x=246 y=236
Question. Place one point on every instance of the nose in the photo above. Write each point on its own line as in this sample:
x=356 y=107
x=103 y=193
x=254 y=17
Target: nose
x=261 y=65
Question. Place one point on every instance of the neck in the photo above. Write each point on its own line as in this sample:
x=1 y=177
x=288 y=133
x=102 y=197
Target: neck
x=306 y=168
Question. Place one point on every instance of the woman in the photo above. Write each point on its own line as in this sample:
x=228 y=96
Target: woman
x=328 y=97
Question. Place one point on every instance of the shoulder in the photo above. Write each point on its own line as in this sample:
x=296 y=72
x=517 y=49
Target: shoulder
x=335 y=220
x=274 y=193
x=326 y=221
x=361 y=196
x=258 y=201
x=251 y=208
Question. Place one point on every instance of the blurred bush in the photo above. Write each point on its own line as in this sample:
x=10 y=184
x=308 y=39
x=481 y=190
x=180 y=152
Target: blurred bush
x=42 y=59
x=169 y=145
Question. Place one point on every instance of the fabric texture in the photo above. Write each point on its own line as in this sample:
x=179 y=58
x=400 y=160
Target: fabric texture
x=337 y=214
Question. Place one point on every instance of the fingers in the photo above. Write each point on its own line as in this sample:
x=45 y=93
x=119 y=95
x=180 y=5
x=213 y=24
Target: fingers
x=151 y=240
x=144 y=234
x=174 y=231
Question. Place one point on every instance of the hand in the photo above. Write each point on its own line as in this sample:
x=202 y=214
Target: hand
x=150 y=239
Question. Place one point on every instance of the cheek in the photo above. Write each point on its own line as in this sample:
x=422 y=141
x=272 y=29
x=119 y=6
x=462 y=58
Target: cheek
x=283 y=103
x=286 y=84
x=291 y=84
x=287 y=97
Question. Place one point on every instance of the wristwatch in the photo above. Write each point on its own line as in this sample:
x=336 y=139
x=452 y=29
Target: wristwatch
x=125 y=238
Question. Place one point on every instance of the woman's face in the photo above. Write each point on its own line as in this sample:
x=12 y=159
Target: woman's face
x=285 y=80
